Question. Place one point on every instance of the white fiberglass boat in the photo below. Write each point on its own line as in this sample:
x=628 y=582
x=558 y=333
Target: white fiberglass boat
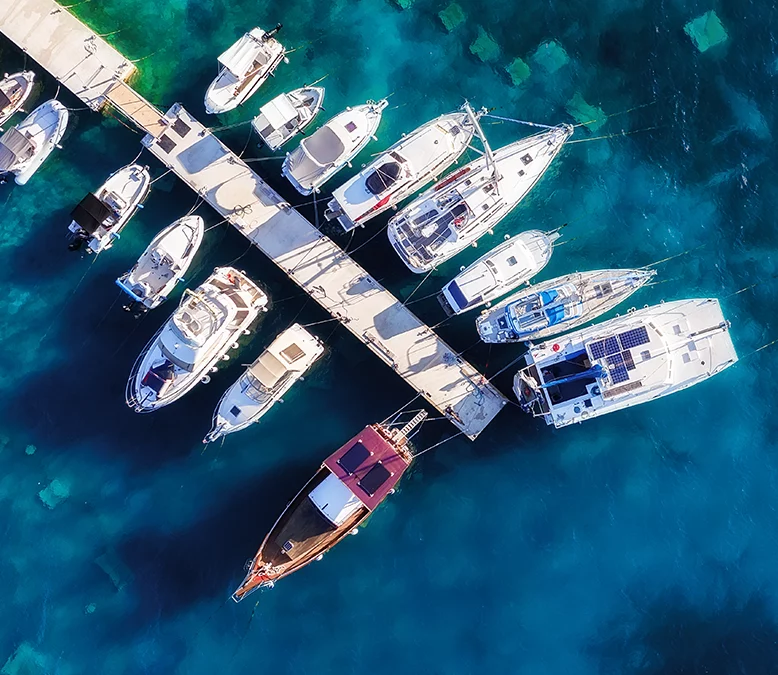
x=559 y=305
x=462 y=207
x=287 y=115
x=199 y=333
x=163 y=264
x=404 y=168
x=99 y=218
x=512 y=263
x=14 y=91
x=327 y=150
x=626 y=361
x=243 y=68
x=24 y=148
x=265 y=381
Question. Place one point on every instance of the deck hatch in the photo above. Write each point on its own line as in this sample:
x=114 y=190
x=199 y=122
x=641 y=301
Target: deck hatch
x=354 y=458
x=374 y=479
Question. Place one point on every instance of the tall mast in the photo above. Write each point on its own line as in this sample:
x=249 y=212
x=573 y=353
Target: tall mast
x=487 y=149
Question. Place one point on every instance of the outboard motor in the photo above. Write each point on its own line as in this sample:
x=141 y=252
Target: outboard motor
x=76 y=240
x=271 y=33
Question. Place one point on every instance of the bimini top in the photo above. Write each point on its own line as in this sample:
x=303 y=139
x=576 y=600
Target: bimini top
x=268 y=370
x=4 y=100
x=14 y=146
x=239 y=58
x=324 y=146
x=90 y=213
x=369 y=465
x=279 y=111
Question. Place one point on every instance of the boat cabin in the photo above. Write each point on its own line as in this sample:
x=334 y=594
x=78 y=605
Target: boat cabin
x=15 y=148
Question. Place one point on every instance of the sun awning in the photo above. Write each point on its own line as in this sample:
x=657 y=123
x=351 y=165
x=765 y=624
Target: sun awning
x=90 y=213
x=324 y=146
x=268 y=370
x=239 y=58
x=14 y=146
x=279 y=111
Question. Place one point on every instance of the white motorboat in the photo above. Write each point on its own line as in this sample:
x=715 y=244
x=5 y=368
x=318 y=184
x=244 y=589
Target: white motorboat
x=331 y=147
x=243 y=68
x=24 y=148
x=559 y=305
x=462 y=207
x=512 y=263
x=404 y=168
x=206 y=325
x=265 y=381
x=632 y=359
x=287 y=115
x=163 y=264
x=14 y=91
x=99 y=218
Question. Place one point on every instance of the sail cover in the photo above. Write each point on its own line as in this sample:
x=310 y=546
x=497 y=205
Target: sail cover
x=90 y=213
x=14 y=146
x=239 y=58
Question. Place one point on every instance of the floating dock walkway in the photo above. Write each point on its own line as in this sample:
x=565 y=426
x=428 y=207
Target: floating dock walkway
x=97 y=74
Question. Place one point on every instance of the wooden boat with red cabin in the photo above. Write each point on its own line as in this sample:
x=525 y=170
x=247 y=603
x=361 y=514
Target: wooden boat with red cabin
x=345 y=490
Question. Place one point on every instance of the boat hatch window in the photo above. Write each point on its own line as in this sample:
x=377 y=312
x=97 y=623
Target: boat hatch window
x=181 y=127
x=526 y=159
x=292 y=353
x=512 y=261
x=521 y=172
x=588 y=403
x=603 y=289
x=288 y=546
x=354 y=457
x=351 y=127
x=166 y=143
x=399 y=158
x=645 y=355
x=383 y=177
x=455 y=130
x=235 y=411
x=374 y=479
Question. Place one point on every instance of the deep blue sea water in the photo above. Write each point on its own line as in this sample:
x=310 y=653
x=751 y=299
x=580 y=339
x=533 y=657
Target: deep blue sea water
x=643 y=542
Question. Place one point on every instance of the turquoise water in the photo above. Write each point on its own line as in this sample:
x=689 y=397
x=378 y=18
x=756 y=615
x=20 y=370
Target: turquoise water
x=643 y=542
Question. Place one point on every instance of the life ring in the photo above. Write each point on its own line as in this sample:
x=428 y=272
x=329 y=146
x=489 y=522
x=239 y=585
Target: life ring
x=556 y=347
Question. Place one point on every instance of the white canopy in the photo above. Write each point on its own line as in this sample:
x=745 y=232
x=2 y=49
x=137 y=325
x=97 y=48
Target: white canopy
x=268 y=370
x=279 y=111
x=336 y=502
x=239 y=58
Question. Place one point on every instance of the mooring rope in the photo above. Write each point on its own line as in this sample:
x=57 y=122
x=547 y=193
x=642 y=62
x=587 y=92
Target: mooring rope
x=530 y=124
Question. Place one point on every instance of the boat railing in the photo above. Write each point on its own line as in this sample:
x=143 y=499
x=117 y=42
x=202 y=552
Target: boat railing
x=129 y=393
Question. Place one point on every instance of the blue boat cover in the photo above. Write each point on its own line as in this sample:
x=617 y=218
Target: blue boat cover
x=547 y=297
x=555 y=314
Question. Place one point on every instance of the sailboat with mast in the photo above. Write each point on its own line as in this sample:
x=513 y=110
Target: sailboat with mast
x=458 y=210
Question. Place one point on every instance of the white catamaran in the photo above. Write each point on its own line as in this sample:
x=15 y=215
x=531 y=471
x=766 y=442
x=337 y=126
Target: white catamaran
x=512 y=263
x=559 y=305
x=99 y=218
x=194 y=339
x=455 y=212
x=243 y=68
x=24 y=148
x=14 y=91
x=162 y=265
x=626 y=361
x=407 y=166
x=331 y=147
x=265 y=381
x=287 y=115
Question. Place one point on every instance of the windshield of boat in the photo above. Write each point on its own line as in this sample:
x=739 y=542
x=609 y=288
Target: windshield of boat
x=266 y=372
x=324 y=146
x=384 y=176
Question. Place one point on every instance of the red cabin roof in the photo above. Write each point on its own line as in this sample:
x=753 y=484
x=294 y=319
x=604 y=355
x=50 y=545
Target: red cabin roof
x=369 y=465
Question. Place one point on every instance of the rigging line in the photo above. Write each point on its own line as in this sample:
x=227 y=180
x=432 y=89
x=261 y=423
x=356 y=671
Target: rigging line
x=261 y=159
x=748 y=288
x=769 y=344
x=365 y=243
x=424 y=297
x=566 y=241
x=621 y=133
x=213 y=227
x=350 y=240
x=467 y=349
x=418 y=286
x=510 y=119
x=129 y=335
x=313 y=84
x=502 y=370
x=445 y=440
x=400 y=409
x=677 y=255
x=232 y=262
x=607 y=117
x=245 y=633
x=317 y=323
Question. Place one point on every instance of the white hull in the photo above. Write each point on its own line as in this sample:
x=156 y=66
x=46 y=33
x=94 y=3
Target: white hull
x=629 y=360
x=331 y=147
x=287 y=115
x=17 y=89
x=164 y=262
x=559 y=305
x=512 y=263
x=265 y=381
x=244 y=68
x=194 y=339
x=457 y=211
x=403 y=169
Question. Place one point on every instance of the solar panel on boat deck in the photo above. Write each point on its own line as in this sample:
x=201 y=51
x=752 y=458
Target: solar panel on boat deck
x=354 y=457
x=628 y=361
x=617 y=370
x=611 y=346
x=634 y=338
x=374 y=479
x=597 y=349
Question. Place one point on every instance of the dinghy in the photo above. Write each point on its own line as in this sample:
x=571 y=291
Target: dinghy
x=404 y=168
x=24 y=148
x=206 y=325
x=14 y=91
x=265 y=381
x=325 y=152
x=559 y=305
x=163 y=264
x=99 y=218
x=244 y=67
x=287 y=115
x=512 y=263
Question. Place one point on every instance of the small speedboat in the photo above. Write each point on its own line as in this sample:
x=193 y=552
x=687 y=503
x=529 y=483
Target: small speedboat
x=24 y=148
x=351 y=483
x=163 y=264
x=331 y=147
x=404 y=168
x=559 y=305
x=287 y=115
x=265 y=381
x=183 y=353
x=243 y=68
x=469 y=202
x=99 y=218
x=512 y=263
x=14 y=91
x=632 y=359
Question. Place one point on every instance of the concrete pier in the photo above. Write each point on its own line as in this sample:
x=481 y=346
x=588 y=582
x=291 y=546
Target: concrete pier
x=308 y=257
